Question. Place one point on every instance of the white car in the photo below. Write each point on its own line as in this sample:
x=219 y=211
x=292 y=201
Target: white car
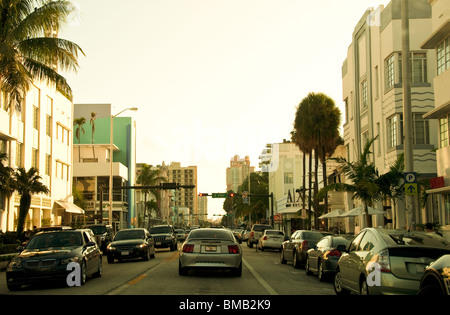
x=271 y=239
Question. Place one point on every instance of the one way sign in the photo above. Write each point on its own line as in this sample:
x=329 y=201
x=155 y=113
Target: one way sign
x=411 y=189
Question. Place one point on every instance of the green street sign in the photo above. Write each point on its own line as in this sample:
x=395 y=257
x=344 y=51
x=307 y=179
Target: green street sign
x=411 y=189
x=219 y=195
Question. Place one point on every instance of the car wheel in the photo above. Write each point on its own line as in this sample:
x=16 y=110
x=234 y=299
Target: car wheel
x=249 y=244
x=338 y=287
x=147 y=255
x=13 y=287
x=282 y=259
x=98 y=274
x=181 y=270
x=83 y=273
x=295 y=261
x=153 y=253
x=110 y=259
x=320 y=273
x=238 y=271
x=364 y=289
x=308 y=272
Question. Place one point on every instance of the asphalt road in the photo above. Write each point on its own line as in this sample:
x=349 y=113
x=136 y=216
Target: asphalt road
x=262 y=275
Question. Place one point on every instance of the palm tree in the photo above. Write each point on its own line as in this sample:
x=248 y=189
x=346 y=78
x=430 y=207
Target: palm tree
x=316 y=129
x=150 y=177
x=27 y=183
x=363 y=178
x=29 y=49
x=92 y=122
x=79 y=122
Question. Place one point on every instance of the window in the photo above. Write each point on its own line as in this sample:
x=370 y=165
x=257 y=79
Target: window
x=418 y=67
x=368 y=242
x=364 y=95
x=392 y=131
x=48 y=164
x=48 y=125
x=354 y=245
x=421 y=130
x=288 y=178
x=390 y=73
x=346 y=111
x=377 y=84
x=443 y=56
x=35 y=158
x=443 y=131
x=35 y=117
x=19 y=152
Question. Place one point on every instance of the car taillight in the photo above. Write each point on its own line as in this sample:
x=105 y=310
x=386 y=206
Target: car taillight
x=304 y=245
x=384 y=261
x=265 y=238
x=188 y=248
x=252 y=233
x=233 y=249
x=334 y=252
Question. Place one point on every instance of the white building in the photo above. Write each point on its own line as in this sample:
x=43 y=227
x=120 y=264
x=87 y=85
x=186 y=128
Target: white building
x=40 y=136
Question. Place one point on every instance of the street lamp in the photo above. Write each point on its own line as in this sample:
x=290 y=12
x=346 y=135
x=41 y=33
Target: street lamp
x=111 y=161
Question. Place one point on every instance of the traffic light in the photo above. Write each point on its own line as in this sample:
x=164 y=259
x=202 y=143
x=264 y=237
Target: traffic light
x=202 y=194
x=231 y=195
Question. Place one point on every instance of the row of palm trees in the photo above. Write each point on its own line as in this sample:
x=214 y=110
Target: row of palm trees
x=316 y=133
x=79 y=123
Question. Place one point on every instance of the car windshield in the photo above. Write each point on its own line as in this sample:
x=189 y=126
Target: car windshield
x=214 y=234
x=160 y=230
x=98 y=230
x=274 y=232
x=55 y=240
x=260 y=228
x=313 y=235
x=129 y=235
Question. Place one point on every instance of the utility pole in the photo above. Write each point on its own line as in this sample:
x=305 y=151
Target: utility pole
x=407 y=113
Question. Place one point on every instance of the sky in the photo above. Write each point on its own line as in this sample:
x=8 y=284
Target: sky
x=211 y=78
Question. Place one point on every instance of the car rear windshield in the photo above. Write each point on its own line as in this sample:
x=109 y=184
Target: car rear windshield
x=160 y=230
x=129 y=235
x=260 y=228
x=419 y=239
x=313 y=235
x=214 y=234
x=55 y=240
x=272 y=232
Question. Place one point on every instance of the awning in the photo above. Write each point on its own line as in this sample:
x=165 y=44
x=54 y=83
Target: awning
x=69 y=207
x=332 y=214
x=441 y=190
x=360 y=211
x=289 y=210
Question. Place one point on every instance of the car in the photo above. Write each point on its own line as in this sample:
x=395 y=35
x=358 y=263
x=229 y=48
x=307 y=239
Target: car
x=103 y=234
x=164 y=236
x=245 y=235
x=131 y=243
x=272 y=239
x=296 y=247
x=238 y=234
x=436 y=278
x=256 y=232
x=323 y=257
x=210 y=248
x=181 y=234
x=47 y=255
x=387 y=261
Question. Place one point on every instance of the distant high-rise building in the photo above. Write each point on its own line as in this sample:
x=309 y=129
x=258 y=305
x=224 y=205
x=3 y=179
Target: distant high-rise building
x=238 y=171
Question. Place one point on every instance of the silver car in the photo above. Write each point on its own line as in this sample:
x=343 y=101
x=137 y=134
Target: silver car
x=210 y=249
x=387 y=261
x=272 y=239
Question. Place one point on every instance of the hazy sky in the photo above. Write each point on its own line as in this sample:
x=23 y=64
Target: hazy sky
x=211 y=78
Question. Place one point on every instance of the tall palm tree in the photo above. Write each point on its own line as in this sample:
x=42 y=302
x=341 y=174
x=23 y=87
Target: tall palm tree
x=150 y=177
x=316 y=130
x=92 y=122
x=27 y=183
x=362 y=176
x=79 y=122
x=29 y=48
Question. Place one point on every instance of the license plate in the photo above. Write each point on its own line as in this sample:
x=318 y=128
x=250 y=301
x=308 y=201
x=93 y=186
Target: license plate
x=125 y=253
x=210 y=248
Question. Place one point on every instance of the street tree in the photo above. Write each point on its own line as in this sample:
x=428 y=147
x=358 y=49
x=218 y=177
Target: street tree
x=30 y=49
x=79 y=122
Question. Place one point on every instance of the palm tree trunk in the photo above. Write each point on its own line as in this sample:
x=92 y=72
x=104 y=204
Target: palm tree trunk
x=309 y=191
x=25 y=202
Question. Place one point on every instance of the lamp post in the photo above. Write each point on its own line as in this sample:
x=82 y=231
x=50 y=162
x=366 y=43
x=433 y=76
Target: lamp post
x=111 y=161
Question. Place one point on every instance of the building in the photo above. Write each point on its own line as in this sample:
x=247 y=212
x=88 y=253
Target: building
x=238 y=171
x=284 y=163
x=185 y=197
x=40 y=136
x=372 y=92
x=438 y=41
x=92 y=155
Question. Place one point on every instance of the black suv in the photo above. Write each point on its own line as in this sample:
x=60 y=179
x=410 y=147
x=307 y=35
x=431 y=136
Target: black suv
x=164 y=236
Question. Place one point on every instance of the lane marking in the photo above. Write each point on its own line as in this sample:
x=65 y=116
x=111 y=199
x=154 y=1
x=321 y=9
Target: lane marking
x=137 y=279
x=259 y=278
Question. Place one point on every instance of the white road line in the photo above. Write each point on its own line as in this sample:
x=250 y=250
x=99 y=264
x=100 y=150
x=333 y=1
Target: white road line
x=259 y=278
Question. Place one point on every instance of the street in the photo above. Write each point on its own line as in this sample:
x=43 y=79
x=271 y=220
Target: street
x=262 y=275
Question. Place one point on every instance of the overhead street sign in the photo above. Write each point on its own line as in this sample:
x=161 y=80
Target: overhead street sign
x=219 y=195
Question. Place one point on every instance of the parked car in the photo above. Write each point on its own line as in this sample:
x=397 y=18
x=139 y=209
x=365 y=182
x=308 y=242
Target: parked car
x=436 y=278
x=272 y=239
x=210 y=248
x=296 y=247
x=245 y=235
x=164 y=236
x=103 y=234
x=256 y=232
x=323 y=257
x=47 y=254
x=387 y=261
x=131 y=243
x=238 y=234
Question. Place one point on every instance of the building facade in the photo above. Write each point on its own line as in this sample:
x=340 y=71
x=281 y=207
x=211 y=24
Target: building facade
x=40 y=136
x=438 y=41
x=238 y=171
x=92 y=156
x=372 y=92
